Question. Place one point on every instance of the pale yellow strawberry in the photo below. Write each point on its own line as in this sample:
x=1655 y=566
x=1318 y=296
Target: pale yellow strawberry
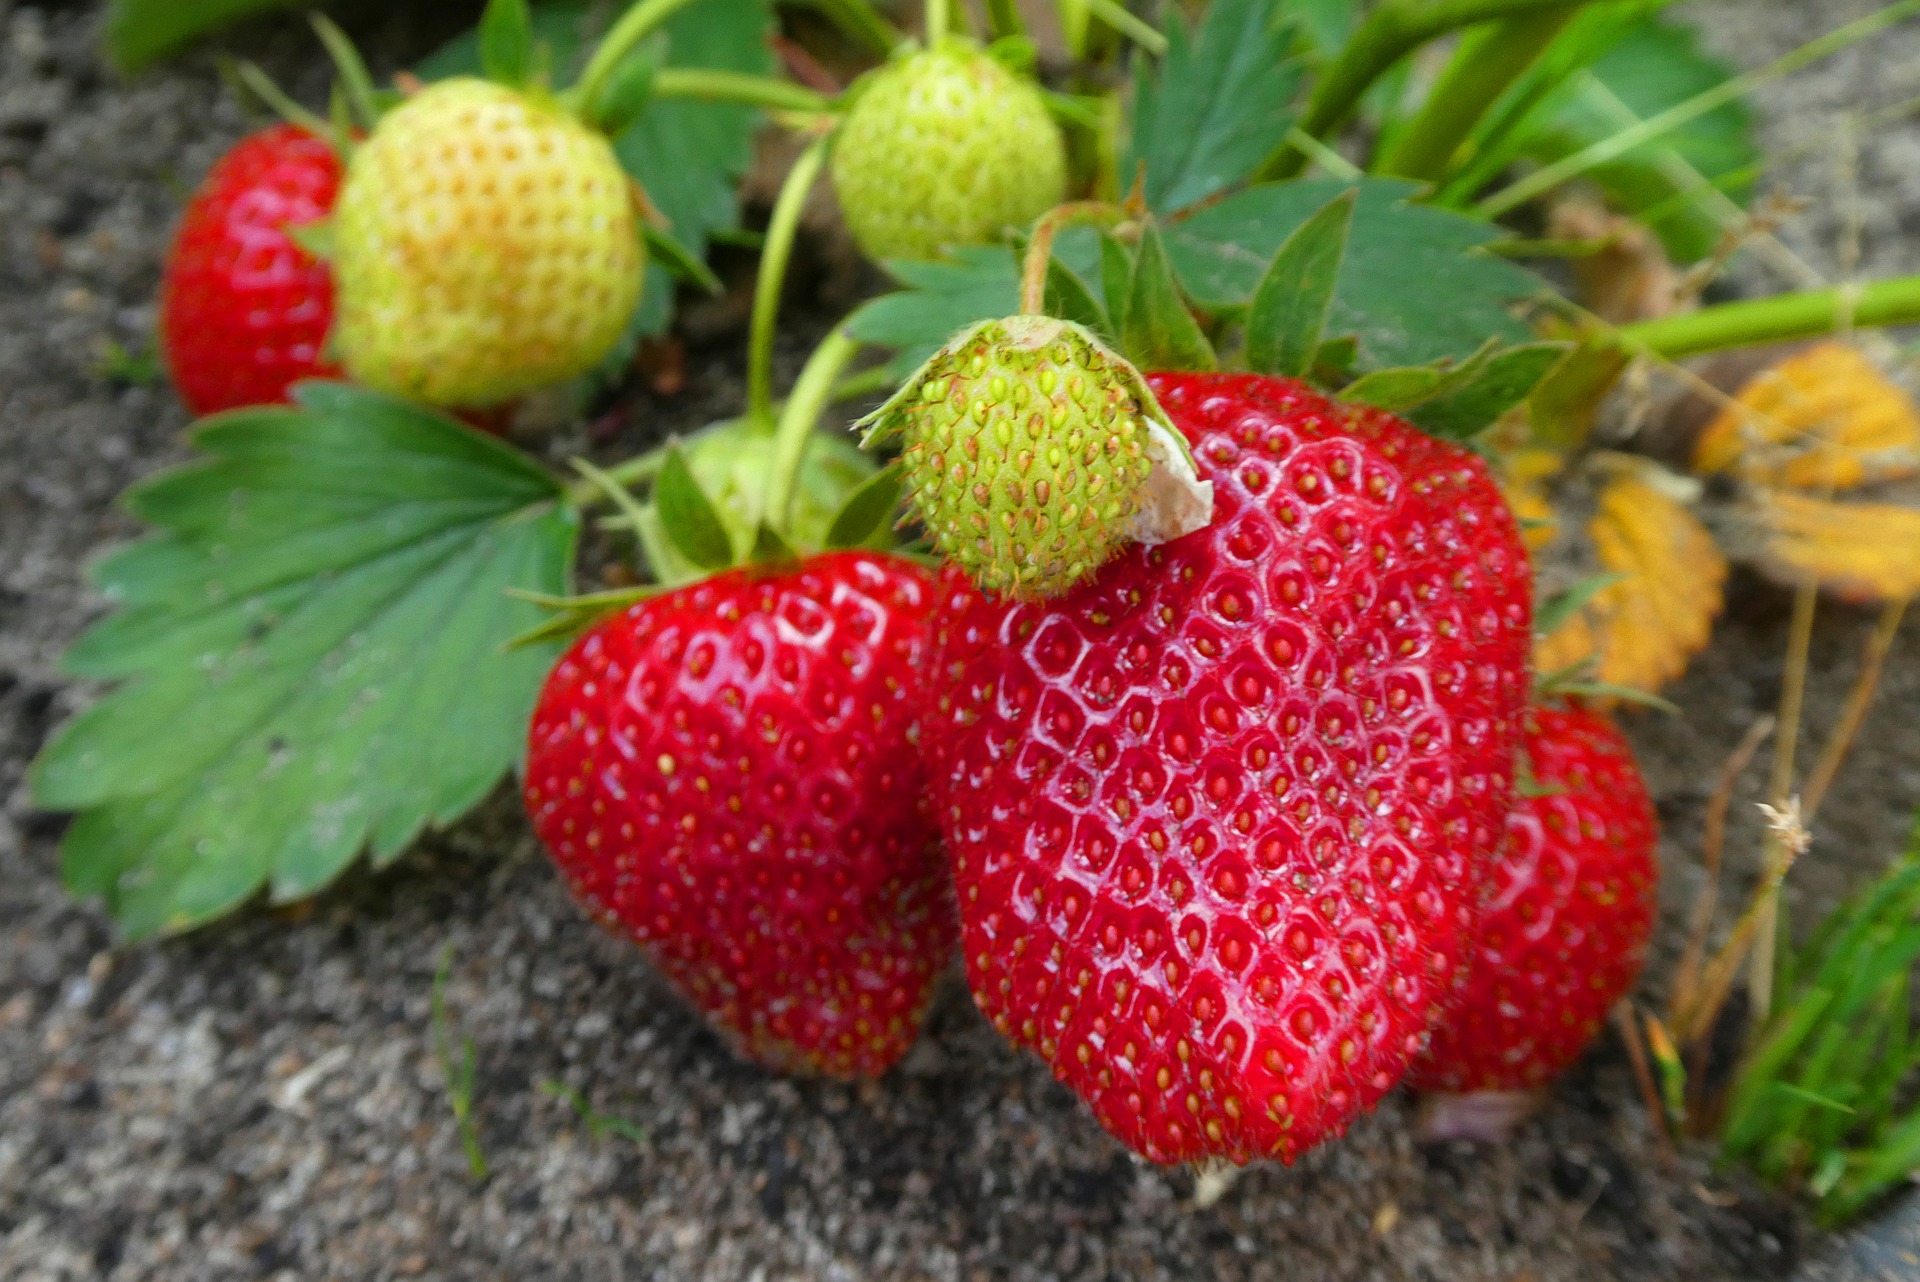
x=486 y=243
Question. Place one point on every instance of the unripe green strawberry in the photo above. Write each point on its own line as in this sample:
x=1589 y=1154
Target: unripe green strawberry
x=485 y=244
x=945 y=147
x=1033 y=454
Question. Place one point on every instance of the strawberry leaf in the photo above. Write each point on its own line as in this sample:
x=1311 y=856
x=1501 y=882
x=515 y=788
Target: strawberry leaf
x=866 y=510
x=1289 y=310
x=1220 y=104
x=941 y=297
x=689 y=517
x=1413 y=287
x=1160 y=333
x=1501 y=382
x=308 y=655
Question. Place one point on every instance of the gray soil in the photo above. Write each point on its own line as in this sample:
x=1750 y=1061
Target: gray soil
x=262 y=1098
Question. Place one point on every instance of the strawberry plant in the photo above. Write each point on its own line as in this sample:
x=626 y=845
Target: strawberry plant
x=1178 y=666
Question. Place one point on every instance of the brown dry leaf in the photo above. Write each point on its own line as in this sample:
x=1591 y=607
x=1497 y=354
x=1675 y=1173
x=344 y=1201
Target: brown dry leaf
x=1527 y=471
x=1823 y=417
x=1858 y=551
x=1630 y=278
x=1643 y=629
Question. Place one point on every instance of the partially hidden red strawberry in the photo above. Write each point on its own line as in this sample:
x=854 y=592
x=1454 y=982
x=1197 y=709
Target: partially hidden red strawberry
x=726 y=773
x=1567 y=922
x=1220 y=818
x=244 y=311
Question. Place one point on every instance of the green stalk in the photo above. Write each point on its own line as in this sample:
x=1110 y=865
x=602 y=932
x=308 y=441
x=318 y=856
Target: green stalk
x=811 y=392
x=1394 y=30
x=773 y=274
x=1547 y=178
x=938 y=13
x=1808 y=314
x=1130 y=25
x=741 y=87
x=1003 y=19
x=635 y=25
x=1488 y=61
x=860 y=20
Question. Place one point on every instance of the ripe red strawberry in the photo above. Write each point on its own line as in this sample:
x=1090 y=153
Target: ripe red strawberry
x=1567 y=922
x=243 y=310
x=726 y=774
x=1220 y=817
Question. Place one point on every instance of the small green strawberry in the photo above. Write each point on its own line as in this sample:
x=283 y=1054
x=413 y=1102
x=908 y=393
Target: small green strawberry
x=486 y=242
x=1033 y=454
x=945 y=147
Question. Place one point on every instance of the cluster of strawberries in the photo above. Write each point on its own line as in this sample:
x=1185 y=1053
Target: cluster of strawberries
x=1228 y=827
x=1210 y=747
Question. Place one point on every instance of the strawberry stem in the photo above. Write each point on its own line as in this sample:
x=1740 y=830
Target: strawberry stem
x=634 y=26
x=1807 y=314
x=1033 y=273
x=1393 y=31
x=811 y=392
x=1487 y=62
x=1130 y=25
x=860 y=20
x=736 y=86
x=781 y=229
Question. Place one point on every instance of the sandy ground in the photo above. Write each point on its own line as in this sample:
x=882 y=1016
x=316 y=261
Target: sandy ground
x=261 y=1099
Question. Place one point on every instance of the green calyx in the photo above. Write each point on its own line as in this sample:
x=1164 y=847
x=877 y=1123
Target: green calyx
x=730 y=463
x=1032 y=454
x=945 y=146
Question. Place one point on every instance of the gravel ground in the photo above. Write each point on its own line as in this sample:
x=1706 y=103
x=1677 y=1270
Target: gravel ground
x=261 y=1099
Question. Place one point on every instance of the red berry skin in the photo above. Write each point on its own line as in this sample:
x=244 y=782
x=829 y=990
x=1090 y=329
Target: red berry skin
x=727 y=775
x=1219 y=819
x=244 y=311
x=1571 y=907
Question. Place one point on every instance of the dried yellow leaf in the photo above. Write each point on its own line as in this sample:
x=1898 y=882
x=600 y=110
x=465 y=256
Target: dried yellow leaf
x=1527 y=471
x=1824 y=417
x=1643 y=629
x=1860 y=551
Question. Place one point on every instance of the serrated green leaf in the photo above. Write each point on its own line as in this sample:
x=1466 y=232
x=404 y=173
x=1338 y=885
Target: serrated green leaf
x=1289 y=310
x=1218 y=105
x=309 y=652
x=1413 y=287
x=866 y=510
x=506 y=42
x=689 y=517
x=1501 y=382
x=1160 y=333
x=142 y=31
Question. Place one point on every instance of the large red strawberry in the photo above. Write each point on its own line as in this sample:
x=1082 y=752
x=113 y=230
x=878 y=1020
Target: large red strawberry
x=727 y=774
x=244 y=311
x=1220 y=818
x=1567 y=923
